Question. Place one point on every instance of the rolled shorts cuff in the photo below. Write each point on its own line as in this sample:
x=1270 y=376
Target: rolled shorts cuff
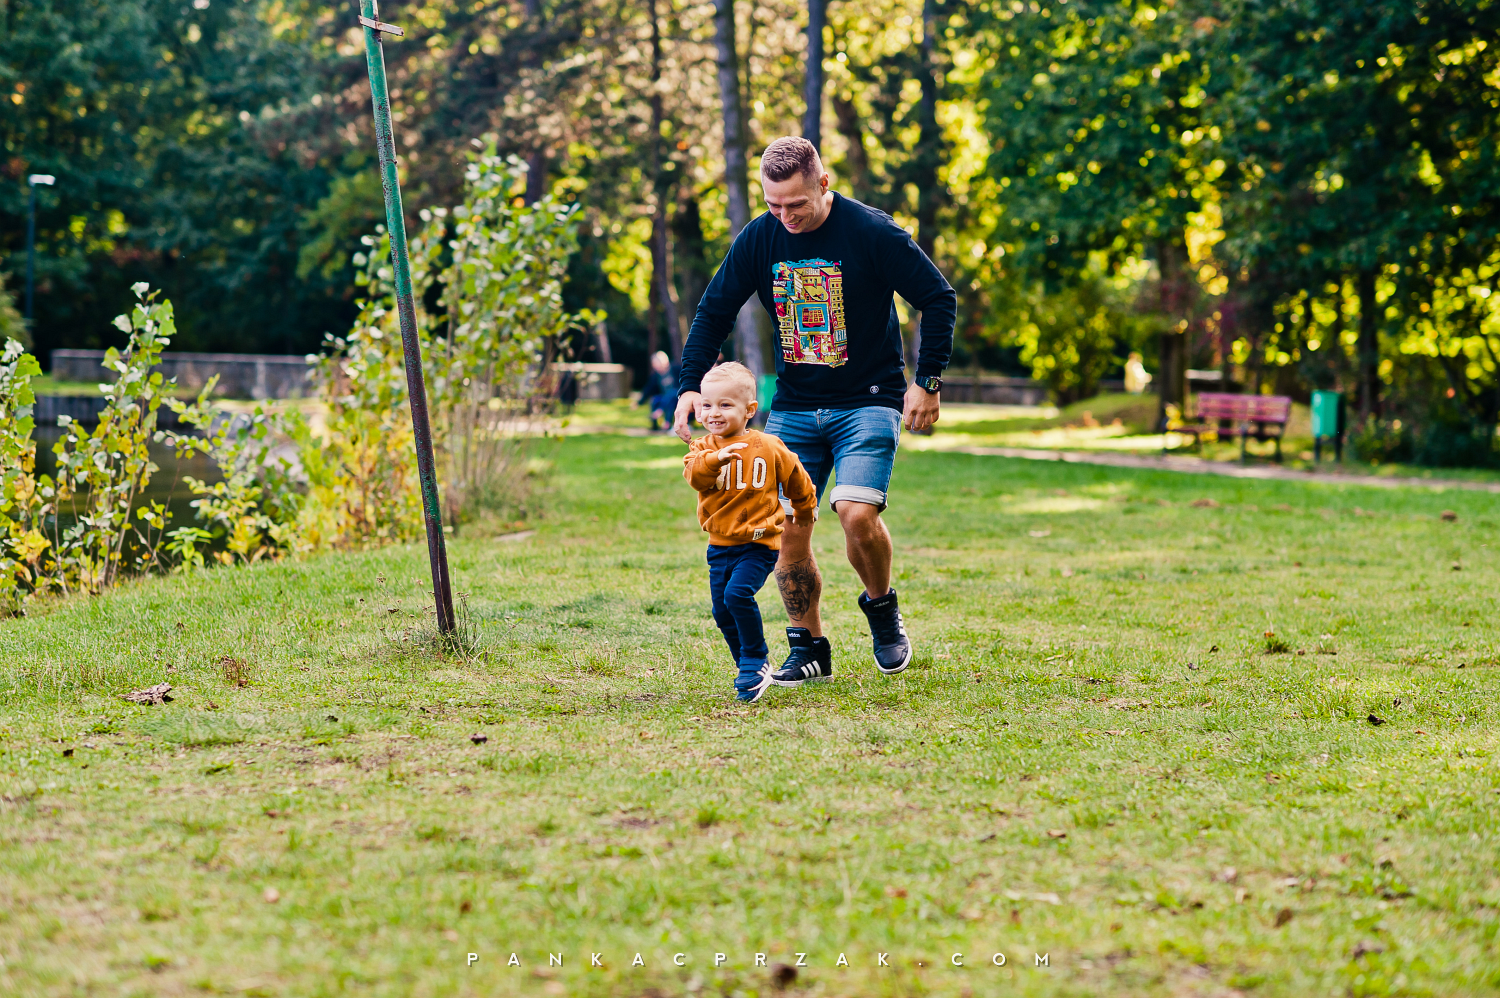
x=856 y=493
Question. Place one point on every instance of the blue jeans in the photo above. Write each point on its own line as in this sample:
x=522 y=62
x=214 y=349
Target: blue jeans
x=735 y=574
x=857 y=445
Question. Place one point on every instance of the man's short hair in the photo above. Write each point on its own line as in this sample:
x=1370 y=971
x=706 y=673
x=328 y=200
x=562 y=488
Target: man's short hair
x=733 y=372
x=788 y=156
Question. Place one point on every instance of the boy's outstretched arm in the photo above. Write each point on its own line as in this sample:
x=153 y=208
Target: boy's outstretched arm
x=702 y=463
x=798 y=486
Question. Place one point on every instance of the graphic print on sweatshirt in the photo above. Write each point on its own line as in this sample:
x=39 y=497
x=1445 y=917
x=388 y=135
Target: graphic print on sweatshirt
x=809 y=296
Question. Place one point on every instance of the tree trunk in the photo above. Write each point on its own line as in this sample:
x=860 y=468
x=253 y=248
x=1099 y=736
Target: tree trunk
x=536 y=161
x=1171 y=375
x=662 y=286
x=929 y=154
x=846 y=117
x=812 y=91
x=1368 y=349
x=691 y=265
x=747 y=347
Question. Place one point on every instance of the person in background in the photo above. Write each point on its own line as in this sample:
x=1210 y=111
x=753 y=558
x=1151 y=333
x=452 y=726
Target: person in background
x=660 y=391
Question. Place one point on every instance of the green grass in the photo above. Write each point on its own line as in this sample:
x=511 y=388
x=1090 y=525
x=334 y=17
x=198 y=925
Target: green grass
x=1096 y=732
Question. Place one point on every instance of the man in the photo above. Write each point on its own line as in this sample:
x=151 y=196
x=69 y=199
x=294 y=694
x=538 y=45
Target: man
x=826 y=267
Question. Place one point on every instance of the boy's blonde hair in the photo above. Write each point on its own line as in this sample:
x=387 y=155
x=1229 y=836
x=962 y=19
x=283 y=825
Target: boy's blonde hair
x=735 y=373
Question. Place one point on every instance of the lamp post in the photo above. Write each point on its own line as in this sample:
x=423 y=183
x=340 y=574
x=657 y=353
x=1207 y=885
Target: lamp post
x=36 y=178
x=416 y=388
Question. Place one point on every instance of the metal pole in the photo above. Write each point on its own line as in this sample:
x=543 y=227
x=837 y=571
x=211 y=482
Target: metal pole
x=30 y=252
x=416 y=388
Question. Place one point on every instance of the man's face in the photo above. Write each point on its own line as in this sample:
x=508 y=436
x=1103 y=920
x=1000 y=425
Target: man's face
x=797 y=201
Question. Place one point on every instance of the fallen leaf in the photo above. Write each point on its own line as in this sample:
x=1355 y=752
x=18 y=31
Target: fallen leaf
x=1040 y=533
x=271 y=895
x=1367 y=945
x=333 y=718
x=1067 y=573
x=987 y=838
x=1283 y=916
x=1227 y=875
x=1449 y=516
x=1457 y=567
x=1204 y=504
x=150 y=695
x=1377 y=721
x=1056 y=833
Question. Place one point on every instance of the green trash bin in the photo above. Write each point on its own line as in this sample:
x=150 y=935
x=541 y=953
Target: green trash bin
x=1328 y=423
x=765 y=392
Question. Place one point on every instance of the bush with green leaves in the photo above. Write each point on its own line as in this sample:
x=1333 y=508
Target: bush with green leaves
x=494 y=265
x=81 y=528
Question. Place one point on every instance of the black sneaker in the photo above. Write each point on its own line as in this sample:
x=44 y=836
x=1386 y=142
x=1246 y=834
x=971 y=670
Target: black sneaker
x=811 y=659
x=892 y=648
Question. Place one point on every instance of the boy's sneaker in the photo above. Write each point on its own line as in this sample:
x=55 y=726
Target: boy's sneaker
x=892 y=648
x=810 y=661
x=752 y=681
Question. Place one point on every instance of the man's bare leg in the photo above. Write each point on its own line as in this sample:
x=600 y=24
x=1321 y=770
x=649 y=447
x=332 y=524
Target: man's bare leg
x=798 y=578
x=868 y=545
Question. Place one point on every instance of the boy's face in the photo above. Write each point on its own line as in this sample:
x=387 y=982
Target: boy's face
x=725 y=407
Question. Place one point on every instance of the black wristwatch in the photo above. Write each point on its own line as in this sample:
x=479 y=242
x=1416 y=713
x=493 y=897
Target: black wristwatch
x=932 y=384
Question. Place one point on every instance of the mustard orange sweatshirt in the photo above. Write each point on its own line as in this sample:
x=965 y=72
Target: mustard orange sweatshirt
x=737 y=500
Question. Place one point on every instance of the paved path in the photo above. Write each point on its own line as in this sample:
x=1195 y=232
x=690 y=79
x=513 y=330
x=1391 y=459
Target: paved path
x=1195 y=465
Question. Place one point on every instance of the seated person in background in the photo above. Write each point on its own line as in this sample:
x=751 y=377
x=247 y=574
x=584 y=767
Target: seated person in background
x=660 y=391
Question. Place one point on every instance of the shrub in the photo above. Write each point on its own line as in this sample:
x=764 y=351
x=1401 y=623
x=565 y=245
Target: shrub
x=494 y=268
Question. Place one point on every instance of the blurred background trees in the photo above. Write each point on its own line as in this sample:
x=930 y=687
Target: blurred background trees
x=1294 y=194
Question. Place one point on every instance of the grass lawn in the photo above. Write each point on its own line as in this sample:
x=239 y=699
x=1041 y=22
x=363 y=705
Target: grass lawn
x=1099 y=756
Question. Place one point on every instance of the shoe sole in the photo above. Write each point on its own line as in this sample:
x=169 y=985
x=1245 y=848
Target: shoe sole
x=898 y=669
x=799 y=682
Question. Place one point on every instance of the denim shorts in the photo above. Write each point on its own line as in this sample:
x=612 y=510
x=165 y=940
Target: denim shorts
x=857 y=445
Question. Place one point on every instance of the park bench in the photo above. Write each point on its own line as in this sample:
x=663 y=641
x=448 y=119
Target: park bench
x=1262 y=417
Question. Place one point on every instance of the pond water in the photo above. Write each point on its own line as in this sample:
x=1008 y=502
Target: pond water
x=167 y=485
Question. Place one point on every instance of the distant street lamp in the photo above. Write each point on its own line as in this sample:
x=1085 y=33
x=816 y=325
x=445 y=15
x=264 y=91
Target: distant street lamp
x=36 y=178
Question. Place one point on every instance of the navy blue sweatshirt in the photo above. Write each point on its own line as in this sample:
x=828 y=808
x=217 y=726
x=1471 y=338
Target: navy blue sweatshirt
x=829 y=292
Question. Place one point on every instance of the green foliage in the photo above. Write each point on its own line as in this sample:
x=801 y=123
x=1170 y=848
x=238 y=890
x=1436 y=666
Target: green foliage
x=80 y=530
x=101 y=474
x=1074 y=336
x=187 y=143
x=494 y=267
x=22 y=544
x=12 y=325
x=253 y=510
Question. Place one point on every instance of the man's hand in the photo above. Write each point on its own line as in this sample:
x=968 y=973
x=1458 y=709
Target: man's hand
x=728 y=452
x=919 y=409
x=687 y=402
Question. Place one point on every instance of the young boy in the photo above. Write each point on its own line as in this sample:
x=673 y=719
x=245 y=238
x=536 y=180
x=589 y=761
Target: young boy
x=737 y=472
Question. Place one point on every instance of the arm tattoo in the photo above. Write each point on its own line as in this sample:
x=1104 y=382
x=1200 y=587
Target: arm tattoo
x=800 y=586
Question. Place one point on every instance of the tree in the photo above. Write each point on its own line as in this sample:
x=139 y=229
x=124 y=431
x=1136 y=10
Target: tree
x=812 y=117
x=747 y=345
